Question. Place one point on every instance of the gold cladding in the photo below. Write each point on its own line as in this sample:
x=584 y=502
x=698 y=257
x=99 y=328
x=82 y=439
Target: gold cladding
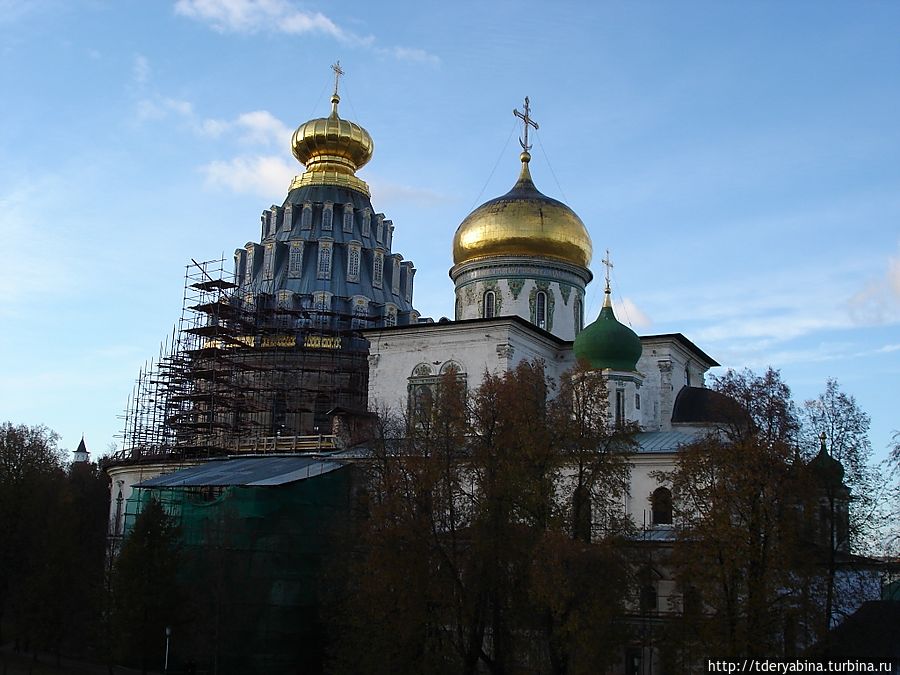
x=523 y=222
x=332 y=150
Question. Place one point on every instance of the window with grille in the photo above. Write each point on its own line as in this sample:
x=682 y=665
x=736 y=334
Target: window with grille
x=378 y=270
x=327 y=215
x=295 y=259
x=323 y=271
x=353 y=263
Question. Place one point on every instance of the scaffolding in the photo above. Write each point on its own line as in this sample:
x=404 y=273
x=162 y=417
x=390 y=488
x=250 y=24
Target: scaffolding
x=245 y=371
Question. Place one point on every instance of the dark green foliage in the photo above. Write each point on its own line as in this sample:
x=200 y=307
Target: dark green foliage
x=147 y=595
x=52 y=529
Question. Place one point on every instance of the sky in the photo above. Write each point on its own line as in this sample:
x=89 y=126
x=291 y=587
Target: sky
x=738 y=160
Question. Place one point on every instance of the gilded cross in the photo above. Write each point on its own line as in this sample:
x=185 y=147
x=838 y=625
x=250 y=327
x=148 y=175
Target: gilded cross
x=608 y=263
x=336 y=67
x=526 y=122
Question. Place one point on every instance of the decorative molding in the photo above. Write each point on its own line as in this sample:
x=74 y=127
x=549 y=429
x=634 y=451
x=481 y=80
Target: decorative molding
x=505 y=351
x=541 y=285
x=564 y=291
x=515 y=287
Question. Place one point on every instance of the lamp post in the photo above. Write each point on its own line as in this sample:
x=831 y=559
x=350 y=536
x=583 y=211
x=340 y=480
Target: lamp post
x=168 y=635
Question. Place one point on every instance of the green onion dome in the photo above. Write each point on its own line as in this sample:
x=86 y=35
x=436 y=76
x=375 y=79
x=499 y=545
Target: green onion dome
x=606 y=343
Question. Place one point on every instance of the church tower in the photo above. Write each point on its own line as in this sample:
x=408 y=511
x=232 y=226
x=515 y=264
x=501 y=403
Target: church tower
x=523 y=254
x=613 y=349
x=325 y=249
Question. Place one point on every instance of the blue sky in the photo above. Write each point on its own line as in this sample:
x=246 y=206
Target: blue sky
x=738 y=159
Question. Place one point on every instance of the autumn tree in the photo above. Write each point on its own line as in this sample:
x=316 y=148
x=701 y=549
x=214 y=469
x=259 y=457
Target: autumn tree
x=739 y=494
x=845 y=426
x=470 y=558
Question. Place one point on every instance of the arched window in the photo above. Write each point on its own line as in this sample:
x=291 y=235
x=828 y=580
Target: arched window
x=378 y=269
x=295 y=259
x=323 y=271
x=661 y=503
x=489 y=305
x=353 y=256
x=649 y=599
x=540 y=304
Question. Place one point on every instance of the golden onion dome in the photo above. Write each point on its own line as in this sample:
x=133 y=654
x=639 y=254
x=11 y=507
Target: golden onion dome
x=523 y=222
x=332 y=150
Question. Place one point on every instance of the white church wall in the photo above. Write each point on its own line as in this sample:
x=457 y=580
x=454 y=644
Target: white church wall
x=487 y=346
x=642 y=483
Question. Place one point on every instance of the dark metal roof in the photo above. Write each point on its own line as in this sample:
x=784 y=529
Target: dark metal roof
x=699 y=405
x=245 y=471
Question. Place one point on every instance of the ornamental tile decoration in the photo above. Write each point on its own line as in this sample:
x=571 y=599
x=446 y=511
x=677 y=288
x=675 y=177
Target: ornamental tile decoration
x=515 y=287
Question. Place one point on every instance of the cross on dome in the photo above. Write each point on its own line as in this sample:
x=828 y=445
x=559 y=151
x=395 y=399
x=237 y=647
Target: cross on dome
x=526 y=122
x=608 y=264
x=335 y=98
x=338 y=71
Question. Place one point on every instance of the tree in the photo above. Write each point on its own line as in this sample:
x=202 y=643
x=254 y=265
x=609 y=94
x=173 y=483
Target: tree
x=472 y=557
x=846 y=435
x=739 y=495
x=31 y=477
x=146 y=591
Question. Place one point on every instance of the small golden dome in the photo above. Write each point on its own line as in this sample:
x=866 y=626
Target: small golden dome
x=332 y=150
x=523 y=222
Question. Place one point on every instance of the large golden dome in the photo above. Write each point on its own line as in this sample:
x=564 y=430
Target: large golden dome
x=332 y=150
x=523 y=222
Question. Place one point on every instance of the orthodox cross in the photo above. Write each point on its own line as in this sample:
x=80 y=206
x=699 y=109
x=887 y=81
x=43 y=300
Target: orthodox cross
x=336 y=67
x=526 y=122
x=606 y=261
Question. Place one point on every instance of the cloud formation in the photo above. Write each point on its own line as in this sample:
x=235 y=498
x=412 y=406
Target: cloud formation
x=259 y=127
x=264 y=175
x=878 y=301
x=253 y=16
x=628 y=313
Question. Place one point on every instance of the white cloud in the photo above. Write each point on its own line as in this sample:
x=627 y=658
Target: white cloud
x=266 y=176
x=253 y=16
x=878 y=301
x=140 y=69
x=259 y=127
x=629 y=313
